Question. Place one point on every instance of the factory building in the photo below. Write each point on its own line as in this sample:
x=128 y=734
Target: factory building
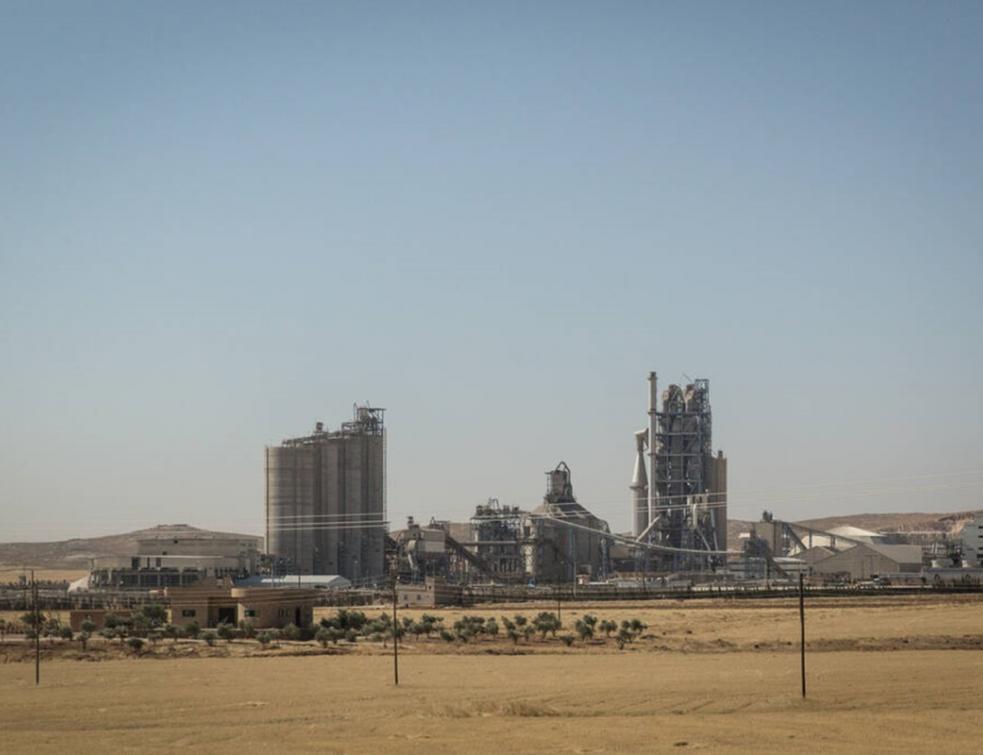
x=867 y=560
x=680 y=500
x=557 y=542
x=561 y=540
x=175 y=555
x=326 y=500
x=972 y=540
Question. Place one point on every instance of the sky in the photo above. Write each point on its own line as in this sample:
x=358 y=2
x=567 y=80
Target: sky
x=222 y=222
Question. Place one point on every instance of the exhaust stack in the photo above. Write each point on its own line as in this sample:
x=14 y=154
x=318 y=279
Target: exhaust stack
x=639 y=486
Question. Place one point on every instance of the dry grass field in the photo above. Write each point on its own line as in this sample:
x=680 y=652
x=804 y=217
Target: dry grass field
x=872 y=687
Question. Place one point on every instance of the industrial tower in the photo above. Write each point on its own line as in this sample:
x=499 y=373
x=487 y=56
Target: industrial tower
x=680 y=502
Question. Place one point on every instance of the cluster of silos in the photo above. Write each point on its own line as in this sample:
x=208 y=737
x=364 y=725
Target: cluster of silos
x=326 y=500
x=679 y=498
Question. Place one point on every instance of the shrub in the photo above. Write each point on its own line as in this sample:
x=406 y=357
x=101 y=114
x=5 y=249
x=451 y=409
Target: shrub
x=607 y=626
x=136 y=644
x=66 y=633
x=584 y=630
x=209 y=636
x=491 y=627
x=265 y=638
x=547 y=622
x=247 y=629
x=192 y=629
x=291 y=632
x=173 y=631
x=226 y=632
x=446 y=636
x=351 y=619
x=567 y=639
x=88 y=626
x=324 y=636
x=83 y=639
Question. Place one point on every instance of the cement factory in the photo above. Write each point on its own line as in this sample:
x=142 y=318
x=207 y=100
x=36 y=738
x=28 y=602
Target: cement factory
x=326 y=528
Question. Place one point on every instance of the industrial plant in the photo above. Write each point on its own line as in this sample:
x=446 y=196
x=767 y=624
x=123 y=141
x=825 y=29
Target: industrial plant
x=327 y=529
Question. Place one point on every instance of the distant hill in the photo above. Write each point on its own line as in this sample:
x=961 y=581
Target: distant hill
x=77 y=553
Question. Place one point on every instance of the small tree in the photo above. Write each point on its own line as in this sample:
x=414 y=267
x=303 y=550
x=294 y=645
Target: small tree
x=88 y=627
x=567 y=639
x=491 y=627
x=192 y=629
x=291 y=632
x=265 y=638
x=66 y=633
x=209 y=636
x=513 y=635
x=4 y=626
x=584 y=630
x=226 y=632
x=173 y=631
x=607 y=626
x=446 y=636
x=136 y=645
x=247 y=629
x=324 y=636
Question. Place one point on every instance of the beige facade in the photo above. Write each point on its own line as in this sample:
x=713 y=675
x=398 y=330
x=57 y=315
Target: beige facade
x=215 y=603
x=274 y=607
x=429 y=594
x=208 y=604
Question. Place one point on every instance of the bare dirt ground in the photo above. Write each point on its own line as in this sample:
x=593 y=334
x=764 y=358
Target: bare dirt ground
x=873 y=686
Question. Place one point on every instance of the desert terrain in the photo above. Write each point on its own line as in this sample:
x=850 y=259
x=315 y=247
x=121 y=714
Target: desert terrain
x=884 y=673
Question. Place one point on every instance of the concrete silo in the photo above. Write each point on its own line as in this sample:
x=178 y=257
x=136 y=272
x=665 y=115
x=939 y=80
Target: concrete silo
x=326 y=499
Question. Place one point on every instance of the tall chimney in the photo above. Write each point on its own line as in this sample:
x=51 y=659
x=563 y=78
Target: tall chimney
x=653 y=444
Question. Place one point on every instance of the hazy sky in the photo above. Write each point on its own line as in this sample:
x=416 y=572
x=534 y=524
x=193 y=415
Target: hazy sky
x=222 y=222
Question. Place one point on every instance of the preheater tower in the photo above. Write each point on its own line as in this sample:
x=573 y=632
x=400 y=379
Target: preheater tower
x=326 y=499
x=682 y=501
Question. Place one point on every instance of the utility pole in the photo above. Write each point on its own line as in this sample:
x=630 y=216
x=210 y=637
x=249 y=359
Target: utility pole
x=395 y=576
x=802 y=631
x=37 y=630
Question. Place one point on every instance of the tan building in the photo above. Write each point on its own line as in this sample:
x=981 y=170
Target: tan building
x=429 y=594
x=215 y=603
x=268 y=607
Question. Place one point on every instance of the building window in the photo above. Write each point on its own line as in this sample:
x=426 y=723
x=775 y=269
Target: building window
x=188 y=613
x=251 y=613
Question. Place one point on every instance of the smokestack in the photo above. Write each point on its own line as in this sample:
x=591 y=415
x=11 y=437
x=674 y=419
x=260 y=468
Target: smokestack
x=653 y=444
x=639 y=486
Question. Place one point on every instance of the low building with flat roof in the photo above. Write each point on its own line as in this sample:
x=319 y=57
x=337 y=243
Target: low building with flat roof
x=429 y=594
x=213 y=603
